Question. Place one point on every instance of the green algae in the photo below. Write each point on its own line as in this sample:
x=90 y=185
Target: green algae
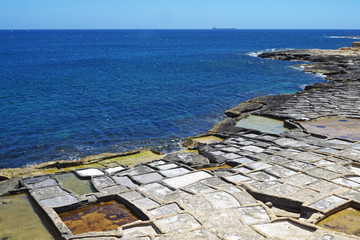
x=79 y=186
x=26 y=171
x=93 y=165
x=135 y=159
x=262 y=124
x=103 y=216
x=45 y=171
x=110 y=164
x=346 y=221
x=20 y=221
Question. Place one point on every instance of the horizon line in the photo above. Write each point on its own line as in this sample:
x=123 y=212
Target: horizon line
x=214 y=28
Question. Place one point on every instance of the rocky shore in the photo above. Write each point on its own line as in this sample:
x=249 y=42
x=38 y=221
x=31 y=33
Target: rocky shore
x=279 y=167
x=337 y=65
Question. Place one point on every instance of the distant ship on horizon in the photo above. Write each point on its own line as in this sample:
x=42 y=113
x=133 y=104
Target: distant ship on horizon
x=216 y=28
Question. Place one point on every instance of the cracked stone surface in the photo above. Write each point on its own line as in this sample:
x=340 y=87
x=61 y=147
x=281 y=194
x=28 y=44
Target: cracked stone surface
x=328 y=203
x=307 y=105
x=285 y=230
x=177 y=223
x=53 y=196
x=37 y=182
x=183 y=202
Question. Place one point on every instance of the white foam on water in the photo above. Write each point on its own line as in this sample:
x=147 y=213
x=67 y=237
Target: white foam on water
x=254 y=54
x=31 y=164
x=257 y=53
x=299 y=68
x=84 y=147
x=317 y=75
x=303 y=86
x=74 y=157
x=320 y=75
x=349 y=37
x=71 y=157
x=178 y=143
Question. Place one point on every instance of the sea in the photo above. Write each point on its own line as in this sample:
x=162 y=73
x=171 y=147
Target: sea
x=66 y=94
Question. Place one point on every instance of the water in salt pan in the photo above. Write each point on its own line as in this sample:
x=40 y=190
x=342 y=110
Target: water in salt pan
x=73 y=183
x=103 y=216
x=19 y=220
x=346 y=221
x=346 y=128
x=262 y=124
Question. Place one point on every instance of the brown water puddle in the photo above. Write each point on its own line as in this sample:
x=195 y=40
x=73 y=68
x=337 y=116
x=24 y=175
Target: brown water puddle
x=135 y=159
x=73 y=183
x=346 y=221
x=262 y=124
x=19 y=220
x=103 y=216
x=216 y=167
x=347 y=128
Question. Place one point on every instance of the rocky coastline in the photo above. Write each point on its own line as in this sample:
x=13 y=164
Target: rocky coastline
x=279 y=167
x=337 y=65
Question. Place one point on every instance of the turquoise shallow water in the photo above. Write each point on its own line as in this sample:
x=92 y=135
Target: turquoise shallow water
x=67 y=94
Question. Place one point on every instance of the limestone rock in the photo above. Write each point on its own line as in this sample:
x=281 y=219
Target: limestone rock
x=8 y=185
x=356 y=44
x=243 y=108
x=272 y=102
x=190 y=159
x=225 y=128
x=337 y=65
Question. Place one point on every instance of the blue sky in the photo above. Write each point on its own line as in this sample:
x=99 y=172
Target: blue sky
x=179 y=14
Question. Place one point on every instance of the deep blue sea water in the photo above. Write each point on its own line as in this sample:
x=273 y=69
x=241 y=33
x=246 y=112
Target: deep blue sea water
x=65 y=94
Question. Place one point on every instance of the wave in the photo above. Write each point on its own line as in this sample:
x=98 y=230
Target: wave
x=173 y=145
x=82 y=147
x=320 y=75
x=317 y=75
x=257 y=53
x=349 y=37
x=299 y=68
x=303 y=86
x=31 y=164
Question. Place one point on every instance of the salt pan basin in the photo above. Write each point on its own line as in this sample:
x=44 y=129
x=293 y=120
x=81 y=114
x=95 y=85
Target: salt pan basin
x=346 y=128
x=262 y=124
x=19 y=220
x=103 y=216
